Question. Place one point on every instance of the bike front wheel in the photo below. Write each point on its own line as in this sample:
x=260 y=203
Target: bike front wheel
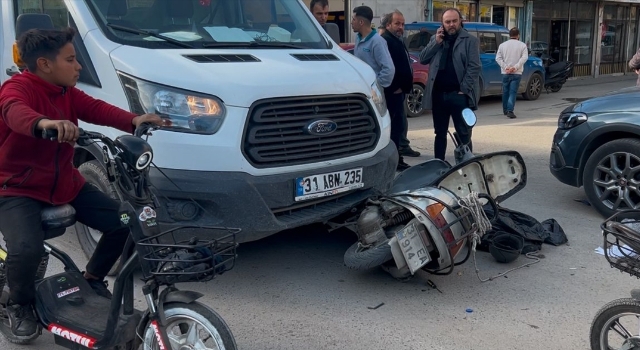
x=616 y=326
x=192 y=326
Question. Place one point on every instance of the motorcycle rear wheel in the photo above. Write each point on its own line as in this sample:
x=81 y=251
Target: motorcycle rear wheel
x=608 y=320
x=358 y=258
x=555 y=88
x=189 y=320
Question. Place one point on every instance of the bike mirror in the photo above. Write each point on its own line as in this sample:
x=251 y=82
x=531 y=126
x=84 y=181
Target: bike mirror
x=469 y=117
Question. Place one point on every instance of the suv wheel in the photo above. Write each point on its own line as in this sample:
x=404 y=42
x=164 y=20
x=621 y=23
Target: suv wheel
x=534 y=87
x=611 y=176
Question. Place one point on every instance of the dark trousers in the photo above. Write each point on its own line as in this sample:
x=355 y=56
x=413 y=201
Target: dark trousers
x=21 y=227
x=395 y=105
x=445 y=106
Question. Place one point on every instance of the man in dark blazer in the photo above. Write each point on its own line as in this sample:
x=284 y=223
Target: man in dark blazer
x=402 y=80
x=453 y=56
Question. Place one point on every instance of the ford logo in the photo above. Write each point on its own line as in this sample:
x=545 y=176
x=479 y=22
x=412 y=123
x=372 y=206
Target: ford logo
x=321 y=127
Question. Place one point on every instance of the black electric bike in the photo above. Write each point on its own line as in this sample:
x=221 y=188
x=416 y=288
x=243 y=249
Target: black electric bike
x=616 y=326
x=69 y=308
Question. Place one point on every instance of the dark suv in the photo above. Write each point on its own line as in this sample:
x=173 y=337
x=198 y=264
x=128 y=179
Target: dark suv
x=597 y=145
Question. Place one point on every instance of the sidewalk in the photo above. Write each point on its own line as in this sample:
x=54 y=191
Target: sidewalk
x=604 y=79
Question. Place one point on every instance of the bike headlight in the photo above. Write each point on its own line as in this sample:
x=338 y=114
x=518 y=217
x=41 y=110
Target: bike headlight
x=571 y=119
x=377 y=95
x=144 y=160
x=187 y=111
x=136 y=152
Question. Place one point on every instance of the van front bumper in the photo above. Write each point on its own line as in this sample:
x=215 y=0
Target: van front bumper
x=261 y=205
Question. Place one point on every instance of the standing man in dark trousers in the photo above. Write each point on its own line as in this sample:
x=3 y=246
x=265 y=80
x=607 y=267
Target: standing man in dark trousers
x=453 y=85
x=402 y=82
x=511 y=57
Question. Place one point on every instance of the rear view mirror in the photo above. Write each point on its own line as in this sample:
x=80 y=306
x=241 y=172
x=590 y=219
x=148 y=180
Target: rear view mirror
x=469 y=117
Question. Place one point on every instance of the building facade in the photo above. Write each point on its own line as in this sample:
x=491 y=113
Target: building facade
x=600 y=37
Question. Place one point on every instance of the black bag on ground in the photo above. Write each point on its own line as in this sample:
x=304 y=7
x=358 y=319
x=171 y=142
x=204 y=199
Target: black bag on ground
x=535 y=233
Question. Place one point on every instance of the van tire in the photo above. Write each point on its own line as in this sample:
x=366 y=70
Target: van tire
x=96 y=175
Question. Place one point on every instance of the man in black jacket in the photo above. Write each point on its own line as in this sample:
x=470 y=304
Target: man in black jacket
x=402 y=80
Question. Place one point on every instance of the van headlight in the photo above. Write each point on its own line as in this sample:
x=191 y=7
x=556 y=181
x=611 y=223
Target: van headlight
x=377 y=95
x=187 y=111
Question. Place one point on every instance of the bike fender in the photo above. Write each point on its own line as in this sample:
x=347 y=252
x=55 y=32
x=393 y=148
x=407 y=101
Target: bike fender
x=182 y=296
x=175 y=296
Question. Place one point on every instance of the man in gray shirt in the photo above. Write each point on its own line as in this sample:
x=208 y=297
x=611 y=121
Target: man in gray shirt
x=371 y=47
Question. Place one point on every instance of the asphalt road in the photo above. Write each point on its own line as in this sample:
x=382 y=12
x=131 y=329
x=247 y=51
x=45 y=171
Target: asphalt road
x=291 y=291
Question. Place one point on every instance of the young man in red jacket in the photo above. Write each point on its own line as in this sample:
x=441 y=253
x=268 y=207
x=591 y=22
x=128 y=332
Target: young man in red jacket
x=35 y=173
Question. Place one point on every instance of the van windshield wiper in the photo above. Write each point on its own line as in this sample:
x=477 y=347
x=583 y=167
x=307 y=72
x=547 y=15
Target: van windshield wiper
x=254 y=44
x=148 y=33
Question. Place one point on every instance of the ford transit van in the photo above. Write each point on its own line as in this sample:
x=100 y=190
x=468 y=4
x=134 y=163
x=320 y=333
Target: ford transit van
x=274 y=125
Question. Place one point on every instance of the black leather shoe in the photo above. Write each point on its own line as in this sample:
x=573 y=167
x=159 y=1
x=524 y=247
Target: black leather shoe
x=22 y=320
x=402 y=166
x=408 y=152
x=100 y=287
x=511 y=115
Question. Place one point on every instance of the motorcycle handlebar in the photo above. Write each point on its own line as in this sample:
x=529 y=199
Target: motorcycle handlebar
x=493 y=204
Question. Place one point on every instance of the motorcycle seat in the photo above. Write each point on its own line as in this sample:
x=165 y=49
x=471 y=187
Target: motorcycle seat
x=558 y=67
x=420 y=176
x=56 y=219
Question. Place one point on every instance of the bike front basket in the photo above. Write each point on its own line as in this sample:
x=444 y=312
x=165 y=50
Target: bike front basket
x=169 y=261
x=622 y=241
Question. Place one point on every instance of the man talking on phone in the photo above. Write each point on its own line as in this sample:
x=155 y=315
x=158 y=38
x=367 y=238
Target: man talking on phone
x=453 y=85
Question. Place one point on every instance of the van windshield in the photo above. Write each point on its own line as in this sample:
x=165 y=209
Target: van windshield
x=208 y=23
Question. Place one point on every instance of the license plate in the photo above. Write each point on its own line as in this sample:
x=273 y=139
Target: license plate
x=328 y=184
x=413 y=248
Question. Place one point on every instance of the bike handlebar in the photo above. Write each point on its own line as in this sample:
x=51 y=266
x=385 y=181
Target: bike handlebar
x=52 y=134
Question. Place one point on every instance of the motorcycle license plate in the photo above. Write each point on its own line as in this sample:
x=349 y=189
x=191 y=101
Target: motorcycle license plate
x=413 y=248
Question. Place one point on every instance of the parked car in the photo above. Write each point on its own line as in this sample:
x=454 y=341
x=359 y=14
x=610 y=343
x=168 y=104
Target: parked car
x=418 y=34
x=413 y=102
x=597 y=145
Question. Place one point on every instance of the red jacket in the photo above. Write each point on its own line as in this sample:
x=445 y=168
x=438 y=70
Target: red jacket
x=43 y=169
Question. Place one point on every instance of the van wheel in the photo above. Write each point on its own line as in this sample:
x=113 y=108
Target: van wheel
x=534 y=87
x=96 y=175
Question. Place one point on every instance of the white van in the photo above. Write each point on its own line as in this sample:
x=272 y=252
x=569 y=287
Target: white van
x=275 y=126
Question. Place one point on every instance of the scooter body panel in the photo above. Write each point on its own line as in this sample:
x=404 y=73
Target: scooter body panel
x=499 y=174
x=69 y=308
x=420 y=176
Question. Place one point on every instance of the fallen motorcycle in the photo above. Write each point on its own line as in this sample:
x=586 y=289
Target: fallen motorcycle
x=615 y=326
x=429 y=216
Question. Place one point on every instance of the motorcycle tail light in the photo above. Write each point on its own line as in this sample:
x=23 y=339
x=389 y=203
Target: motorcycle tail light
x=434 y=210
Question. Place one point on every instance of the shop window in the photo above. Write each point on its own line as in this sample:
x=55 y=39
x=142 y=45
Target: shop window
x=439 y=7
x=488 y=43
x=583 y=43
x=486 y=13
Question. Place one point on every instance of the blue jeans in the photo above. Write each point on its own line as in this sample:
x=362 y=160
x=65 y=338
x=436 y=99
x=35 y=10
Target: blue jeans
x=510 y=83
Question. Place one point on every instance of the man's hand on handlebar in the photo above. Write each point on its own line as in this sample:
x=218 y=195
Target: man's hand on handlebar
x=148 y=118
x=67 y=131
